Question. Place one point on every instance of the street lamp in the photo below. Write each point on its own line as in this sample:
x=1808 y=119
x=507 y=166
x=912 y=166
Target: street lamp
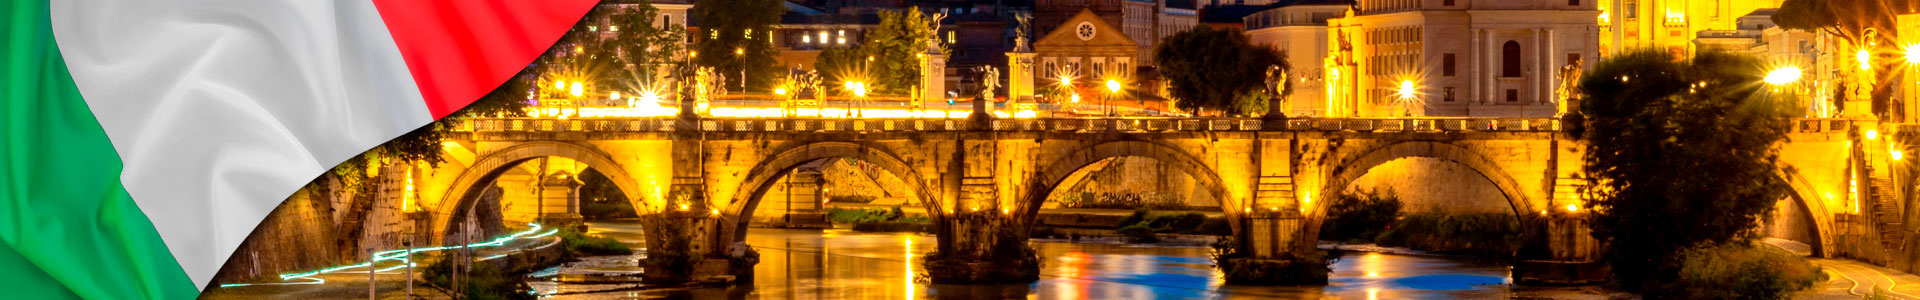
x=576 y=90
x=1407 y=97
x=859 y=90
x=1113 y=89
x=1783 y=75
x=741 y=54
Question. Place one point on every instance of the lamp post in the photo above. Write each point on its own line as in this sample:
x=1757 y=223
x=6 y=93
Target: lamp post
x=1113 y=89
x=859 y=90
x=740 y=54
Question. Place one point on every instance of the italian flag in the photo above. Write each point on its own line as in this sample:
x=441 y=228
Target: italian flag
x=145 y=139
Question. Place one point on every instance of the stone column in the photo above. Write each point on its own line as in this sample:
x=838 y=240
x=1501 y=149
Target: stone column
x=1473 y=69
x=933 y=75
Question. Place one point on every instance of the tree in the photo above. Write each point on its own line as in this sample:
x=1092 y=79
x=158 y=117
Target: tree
x=1849 y=20
x=1216 y=69
x=739 y=25
x=839 y=64
x=896 y=45
x=1680 y=155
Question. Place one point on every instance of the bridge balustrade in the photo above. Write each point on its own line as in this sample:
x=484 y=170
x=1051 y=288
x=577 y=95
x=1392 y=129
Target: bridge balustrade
x=1804 y=125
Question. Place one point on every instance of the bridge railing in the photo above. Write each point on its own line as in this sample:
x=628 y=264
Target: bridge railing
x=1038 y=124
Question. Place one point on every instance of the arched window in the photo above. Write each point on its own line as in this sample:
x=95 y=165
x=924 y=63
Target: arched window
x=1510 y=59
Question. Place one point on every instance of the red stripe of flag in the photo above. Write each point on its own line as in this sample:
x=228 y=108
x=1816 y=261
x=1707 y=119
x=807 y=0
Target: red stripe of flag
x=458 y=50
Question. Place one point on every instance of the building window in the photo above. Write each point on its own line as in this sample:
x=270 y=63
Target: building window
x=1573 y=2
x=1513 y=95
x=666 y=21
x=1446 y=65
x=1510 y=59
x=1449 y=95
x=1633 y=9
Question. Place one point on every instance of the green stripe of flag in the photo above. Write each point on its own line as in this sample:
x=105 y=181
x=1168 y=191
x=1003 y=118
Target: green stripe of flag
x=67 y=228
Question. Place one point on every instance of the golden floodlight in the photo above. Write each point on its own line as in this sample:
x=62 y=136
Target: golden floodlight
x=1783 y=75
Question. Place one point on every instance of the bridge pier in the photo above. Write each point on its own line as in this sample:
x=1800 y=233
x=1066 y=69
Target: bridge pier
x=980 y=240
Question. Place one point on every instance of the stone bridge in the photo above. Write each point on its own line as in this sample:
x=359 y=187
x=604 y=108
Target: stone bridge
x=975 y=176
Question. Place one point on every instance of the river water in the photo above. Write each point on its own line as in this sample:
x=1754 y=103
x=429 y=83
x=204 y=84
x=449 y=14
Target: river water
x=841 y=264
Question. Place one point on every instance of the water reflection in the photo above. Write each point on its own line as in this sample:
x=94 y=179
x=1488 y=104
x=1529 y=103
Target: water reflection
x=834 y=264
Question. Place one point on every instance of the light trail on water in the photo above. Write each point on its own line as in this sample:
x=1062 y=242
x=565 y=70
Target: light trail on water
x=400 y=255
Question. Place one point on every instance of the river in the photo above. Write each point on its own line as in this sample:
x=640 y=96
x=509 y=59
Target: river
x=841 y=264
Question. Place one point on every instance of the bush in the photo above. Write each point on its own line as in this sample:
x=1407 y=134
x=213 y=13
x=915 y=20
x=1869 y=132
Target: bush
x=482 y=281
x=1359 y=217
x=1292 y=268
x=892 y=226
x=1486 y=234
x=1741 y=272
x=1139 y=233
x=591 y=245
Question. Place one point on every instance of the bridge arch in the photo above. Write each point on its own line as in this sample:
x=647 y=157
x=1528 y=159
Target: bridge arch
x=1351 y=169
x=765 y=173
x=465 y=189
x=1061 y=167
x=1813 y=206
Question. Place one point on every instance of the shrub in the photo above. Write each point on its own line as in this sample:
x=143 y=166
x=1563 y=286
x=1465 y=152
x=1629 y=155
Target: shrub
x=1139 y=233
x=482 y=281
x=892 y=226
x=1214 y=226
x=591 y=245
x=1291 y=268
x=1739 y=271
x=1359 y=217
x=1486 y=234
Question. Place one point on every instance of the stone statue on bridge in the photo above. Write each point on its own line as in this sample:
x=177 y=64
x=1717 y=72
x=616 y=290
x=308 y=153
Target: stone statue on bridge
x=1276 y=90
x=989 y=80
x=1569 y=91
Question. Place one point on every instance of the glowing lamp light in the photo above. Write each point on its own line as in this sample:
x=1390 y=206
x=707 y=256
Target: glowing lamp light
x=716 y=212
x=1066 y=81
x=1074 y=99
x=1913 y=53
x=576 y=91
x=1783 y=75
x=1113 y=85
x=693 y=53
x=739 y=51
x=560 y=84
x=683 y=207
x=615 y=95
x=1572 y=208
x=1896 y=154
x=1866 y=59
x=780 y=91
x=1871 y=134
x=1406 y=89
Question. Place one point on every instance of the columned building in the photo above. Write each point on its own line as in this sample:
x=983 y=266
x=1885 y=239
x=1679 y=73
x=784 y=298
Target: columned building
x=1670 y=25
x=1300 y=29
x=1455 y=57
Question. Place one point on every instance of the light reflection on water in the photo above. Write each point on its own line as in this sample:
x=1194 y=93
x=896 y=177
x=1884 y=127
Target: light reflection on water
x=880 y=266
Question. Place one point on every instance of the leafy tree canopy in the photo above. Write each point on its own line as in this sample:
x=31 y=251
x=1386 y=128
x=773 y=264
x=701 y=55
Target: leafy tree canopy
x=1216 y=70
x=1679 y=155
x=889 y=58
x=743 y=25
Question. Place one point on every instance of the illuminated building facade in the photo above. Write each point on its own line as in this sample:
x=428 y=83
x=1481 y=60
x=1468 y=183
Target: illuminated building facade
x=1671 y=25
x=1300 y=29
x=1455 y=57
